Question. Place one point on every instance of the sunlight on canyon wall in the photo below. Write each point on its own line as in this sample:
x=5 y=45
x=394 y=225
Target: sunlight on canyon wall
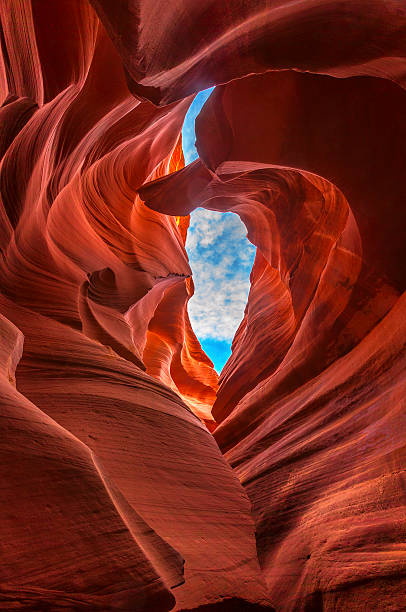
x=132 y=476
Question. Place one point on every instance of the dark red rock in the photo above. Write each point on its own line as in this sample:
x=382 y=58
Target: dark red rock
x=173 y=49
x=306 y=403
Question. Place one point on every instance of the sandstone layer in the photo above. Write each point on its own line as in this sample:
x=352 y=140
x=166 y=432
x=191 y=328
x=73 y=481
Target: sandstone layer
x=114 y=494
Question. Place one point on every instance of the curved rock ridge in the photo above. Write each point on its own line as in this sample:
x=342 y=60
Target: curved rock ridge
x=54 y=494
x=310 y=402
x=114 y=493
x=83 y=163
x=224 y=41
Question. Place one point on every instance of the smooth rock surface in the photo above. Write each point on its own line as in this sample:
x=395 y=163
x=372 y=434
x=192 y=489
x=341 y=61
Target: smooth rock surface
x=113 y=492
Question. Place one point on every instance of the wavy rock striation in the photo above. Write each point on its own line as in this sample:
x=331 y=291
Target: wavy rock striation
x=116 y=491
x=114 y=495
x=306 y=404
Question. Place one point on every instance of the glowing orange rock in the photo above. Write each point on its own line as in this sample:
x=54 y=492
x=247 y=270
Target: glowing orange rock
x=121 y=493
x=114 y=494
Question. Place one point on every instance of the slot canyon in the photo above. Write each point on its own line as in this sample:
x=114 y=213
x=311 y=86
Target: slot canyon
x=133 y=477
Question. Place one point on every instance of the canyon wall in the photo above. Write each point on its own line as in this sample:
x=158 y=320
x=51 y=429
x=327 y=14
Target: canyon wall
x=114 y=493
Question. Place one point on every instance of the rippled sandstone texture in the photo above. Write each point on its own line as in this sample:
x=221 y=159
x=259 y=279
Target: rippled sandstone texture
x=114 y=495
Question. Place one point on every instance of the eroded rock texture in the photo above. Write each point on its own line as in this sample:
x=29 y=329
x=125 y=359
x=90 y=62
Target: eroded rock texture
x=114 y=494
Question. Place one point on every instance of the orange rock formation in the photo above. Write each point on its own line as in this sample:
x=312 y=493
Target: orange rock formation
x=114 y=495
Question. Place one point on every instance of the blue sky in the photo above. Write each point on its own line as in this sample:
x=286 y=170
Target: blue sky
x=188 y=130
x=221 y=259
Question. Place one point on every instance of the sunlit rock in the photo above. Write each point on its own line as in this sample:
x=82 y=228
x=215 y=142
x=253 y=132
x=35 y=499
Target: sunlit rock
x=114 y=492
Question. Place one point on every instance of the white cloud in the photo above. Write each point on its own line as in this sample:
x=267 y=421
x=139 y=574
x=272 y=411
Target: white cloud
x=221 y=259
x=220 y=255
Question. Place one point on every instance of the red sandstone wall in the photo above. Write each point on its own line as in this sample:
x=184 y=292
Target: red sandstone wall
x=113 y=493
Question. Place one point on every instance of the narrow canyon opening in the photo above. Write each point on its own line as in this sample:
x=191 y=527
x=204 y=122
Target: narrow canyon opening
x=132 y=477
x=221 y=258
